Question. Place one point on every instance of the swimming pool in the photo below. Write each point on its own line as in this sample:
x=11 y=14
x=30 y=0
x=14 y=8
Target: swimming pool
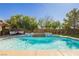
x=24 y=42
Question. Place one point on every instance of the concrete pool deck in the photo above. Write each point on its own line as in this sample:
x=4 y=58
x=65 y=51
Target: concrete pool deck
x=41 y=53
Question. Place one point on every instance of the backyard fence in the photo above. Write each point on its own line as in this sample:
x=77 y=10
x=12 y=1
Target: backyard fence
x=58 y=31
x=53 y=31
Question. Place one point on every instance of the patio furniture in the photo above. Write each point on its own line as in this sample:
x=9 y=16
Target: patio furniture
x=13 y=32
x=20 y=32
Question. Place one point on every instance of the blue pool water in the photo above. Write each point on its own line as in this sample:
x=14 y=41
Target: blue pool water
x=25 y=42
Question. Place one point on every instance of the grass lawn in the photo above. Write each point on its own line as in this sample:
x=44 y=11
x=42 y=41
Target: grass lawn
x=72 y=35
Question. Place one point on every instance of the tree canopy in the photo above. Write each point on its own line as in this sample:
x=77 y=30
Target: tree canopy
x=72 y=18
x=30 y=23
x=21 y=21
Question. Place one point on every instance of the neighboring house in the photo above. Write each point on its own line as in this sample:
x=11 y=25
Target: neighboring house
x=1 y=23
x=4 y=27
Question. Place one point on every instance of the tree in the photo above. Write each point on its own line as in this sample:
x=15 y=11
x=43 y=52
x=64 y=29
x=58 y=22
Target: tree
x=45 y=22
x=66 y=25
x=14 y=20
x=30 y=23
x=56 y=25
x=71 y=20
x=49 y=23
x=25 y=22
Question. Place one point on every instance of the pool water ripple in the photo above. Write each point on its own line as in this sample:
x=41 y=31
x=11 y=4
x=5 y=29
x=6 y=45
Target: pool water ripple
x=38 y=43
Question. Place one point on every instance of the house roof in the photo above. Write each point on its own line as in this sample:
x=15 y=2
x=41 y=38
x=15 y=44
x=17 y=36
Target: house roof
x=3 y=23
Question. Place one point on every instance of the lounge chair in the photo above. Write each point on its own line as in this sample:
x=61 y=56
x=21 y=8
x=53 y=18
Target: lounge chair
x=20 y=32
x=13 y=32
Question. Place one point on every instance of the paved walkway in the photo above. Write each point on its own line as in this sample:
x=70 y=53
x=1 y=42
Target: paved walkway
x=41 y=53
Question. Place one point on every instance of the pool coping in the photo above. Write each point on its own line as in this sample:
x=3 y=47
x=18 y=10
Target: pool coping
x=4 y=37
x=68 y=37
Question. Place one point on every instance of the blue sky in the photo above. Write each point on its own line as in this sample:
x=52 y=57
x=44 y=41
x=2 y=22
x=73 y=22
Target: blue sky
x=57 y=11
